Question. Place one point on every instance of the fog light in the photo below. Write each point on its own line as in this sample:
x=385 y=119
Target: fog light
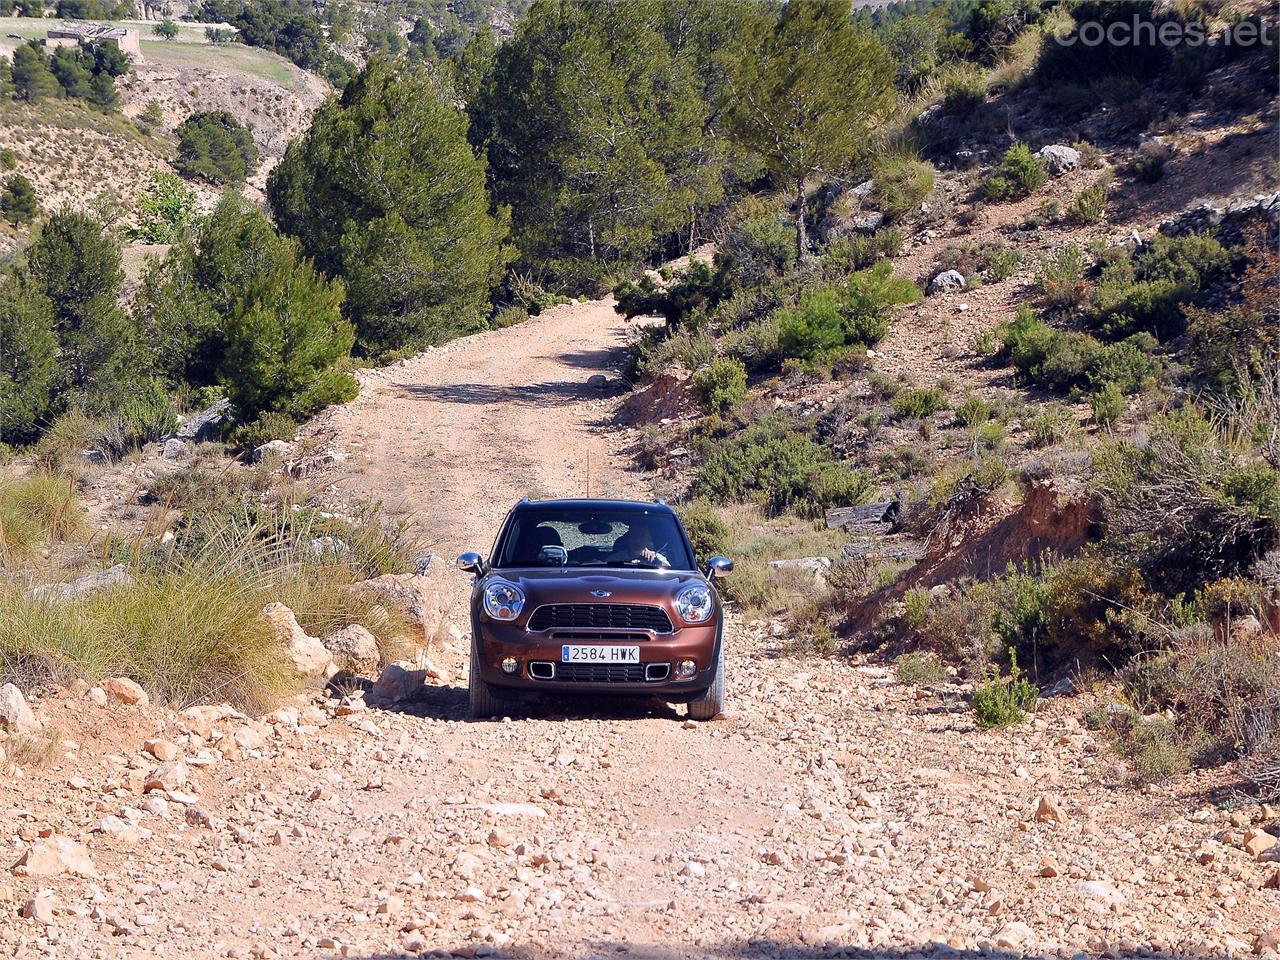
x=510 y=665
x=686 y=668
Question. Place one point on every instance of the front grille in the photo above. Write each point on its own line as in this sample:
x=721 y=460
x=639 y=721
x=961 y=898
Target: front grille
x=601 y=616
x=600 y=672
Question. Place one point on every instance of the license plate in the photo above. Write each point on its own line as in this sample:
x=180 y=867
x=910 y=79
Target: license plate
x=577 y=653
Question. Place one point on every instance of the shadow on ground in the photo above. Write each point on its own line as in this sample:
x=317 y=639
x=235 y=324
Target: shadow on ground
x=450 y=703
x=781 y=950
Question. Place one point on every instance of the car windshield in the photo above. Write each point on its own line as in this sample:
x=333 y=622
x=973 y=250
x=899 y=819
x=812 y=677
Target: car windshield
x=594 y=537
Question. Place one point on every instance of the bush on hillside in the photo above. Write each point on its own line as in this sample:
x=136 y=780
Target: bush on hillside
x=167 y=210
x=755 y=249
x=777 y=462
x=902 y=181
x=721 y=385
x=213 y=145
x=695 y=293
x=18 y=201
x=1060 y=277
x=1147 y=290
x=29 y=370
x=1241 y=343
x=1019 y=175
x=917 y=404
x=1188 y=506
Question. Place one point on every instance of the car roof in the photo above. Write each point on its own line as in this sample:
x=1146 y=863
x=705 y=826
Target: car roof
x=593 y=503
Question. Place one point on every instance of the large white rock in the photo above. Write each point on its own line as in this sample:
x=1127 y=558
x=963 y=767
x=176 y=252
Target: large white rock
x=52 y=856
x=307 y=654
x=15 y=713
x=949 y=281
x=1060 y=158
x=424 y=598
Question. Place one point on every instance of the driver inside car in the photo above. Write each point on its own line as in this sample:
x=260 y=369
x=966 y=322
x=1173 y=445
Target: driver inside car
x=637 y=544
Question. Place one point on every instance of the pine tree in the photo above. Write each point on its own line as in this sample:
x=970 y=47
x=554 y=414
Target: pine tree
x=806 y=91
x=103 y=93
x=28 y=359
x=32 y=80
x=281 y=321
x=596 y=132
x=385 y=192
x=18 y=200
x=77 y=266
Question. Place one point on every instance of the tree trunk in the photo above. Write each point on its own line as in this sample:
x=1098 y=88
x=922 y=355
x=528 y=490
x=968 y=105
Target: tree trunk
x=802 y=245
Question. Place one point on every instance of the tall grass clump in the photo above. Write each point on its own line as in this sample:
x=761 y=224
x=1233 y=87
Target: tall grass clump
x=39 y=507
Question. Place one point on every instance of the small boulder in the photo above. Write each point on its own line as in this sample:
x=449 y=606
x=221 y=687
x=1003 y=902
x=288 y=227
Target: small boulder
x=39 y=908
x=355 y=648
x=1048 y=810
x=867 y=223
x=15 y=713
x=815 y=567
x=949 y=281
x=402 y=681
x=174 y=449
x=54 y=856
x=272 y=450
x=1059 y=158
x=1258 y=842
x=327 y=548
x=162 y=750
x=168 y=776
x=83 y=586
x=126 y=691
x=424 y=598
x=307 y=654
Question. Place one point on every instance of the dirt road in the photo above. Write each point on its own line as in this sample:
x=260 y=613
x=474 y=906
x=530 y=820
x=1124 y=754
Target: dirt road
x=455 y=436
x=831 y=812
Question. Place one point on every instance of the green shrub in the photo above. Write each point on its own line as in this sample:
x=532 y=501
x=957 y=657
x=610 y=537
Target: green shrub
x=920 y=669
x=1002 y=702
x=1021 y=172
x=1232 y=349
x=757 y=344
x=695 y=293
x=918 y=403
x=1052 y=424
x=777 y=462
x=657 y=350
x=868 y=299
x=855 y=251
x=1190 y=505
x=708 y=534
x=721 y=385
x=1147 y=291
x=756 y=249
x=973 y=411
x=1090 y=205
x=18 y=201
x=508 y=316
x=816 y=325
x=1108 y=405
x=1002 y=264
x=902 y=181
x=1060 y=278
x=1151 y=745
x=915 y=608
x=8 y=158
x=269 y=426
x=39 y=507
x=168 y=211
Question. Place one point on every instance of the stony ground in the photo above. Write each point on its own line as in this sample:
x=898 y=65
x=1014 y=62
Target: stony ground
x=831 y=810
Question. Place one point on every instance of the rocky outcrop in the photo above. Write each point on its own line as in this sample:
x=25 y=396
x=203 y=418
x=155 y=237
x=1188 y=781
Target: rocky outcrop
x=305 y=652
x=424 y=598
x=1059 y=158
x=83 y=586
x=1230 y=219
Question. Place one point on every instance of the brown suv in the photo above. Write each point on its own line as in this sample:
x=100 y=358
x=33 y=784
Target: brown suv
x=594 y=596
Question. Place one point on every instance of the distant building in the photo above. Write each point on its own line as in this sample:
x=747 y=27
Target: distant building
x=71 y=34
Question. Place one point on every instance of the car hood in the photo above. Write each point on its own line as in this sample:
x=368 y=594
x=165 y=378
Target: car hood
x=559 y=585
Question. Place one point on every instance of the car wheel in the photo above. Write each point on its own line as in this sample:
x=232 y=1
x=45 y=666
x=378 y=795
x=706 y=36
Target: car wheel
x=710 y=703
x=481 y=701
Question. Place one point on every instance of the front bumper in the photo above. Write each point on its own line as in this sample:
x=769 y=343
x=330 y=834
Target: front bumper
x=496 y=642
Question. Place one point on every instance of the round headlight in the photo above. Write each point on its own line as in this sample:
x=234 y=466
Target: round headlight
x=694 y=604
x=502 y=600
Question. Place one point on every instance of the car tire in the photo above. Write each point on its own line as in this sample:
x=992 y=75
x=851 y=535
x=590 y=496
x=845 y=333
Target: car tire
x=482 y=703
x=710 y=703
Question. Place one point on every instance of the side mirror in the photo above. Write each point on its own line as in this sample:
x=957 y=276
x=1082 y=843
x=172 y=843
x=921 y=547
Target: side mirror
x=719 y=567
x=471 y=563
